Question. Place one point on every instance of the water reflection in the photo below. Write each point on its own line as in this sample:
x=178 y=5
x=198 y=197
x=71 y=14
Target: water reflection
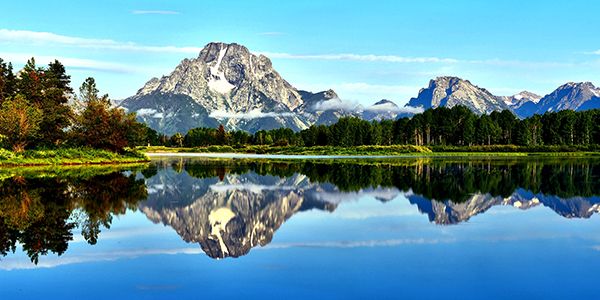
x=229 y=207
x=40 y=209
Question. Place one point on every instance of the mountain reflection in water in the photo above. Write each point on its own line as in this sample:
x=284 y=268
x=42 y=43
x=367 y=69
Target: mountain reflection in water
x=230 y=206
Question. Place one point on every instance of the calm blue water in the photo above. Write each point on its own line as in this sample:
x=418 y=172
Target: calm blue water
x=194 y=228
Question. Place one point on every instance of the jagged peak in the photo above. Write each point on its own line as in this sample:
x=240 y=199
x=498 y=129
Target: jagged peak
x=384 y=102
x=449 y=79
x=211 y=51
x=527 y=95
x=577 y=85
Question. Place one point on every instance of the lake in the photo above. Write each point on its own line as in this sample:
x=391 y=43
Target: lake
x=273 y=227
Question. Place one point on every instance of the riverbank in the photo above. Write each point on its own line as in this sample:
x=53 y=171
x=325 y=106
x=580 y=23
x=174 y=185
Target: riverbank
x=75 y=156
x=395 y=150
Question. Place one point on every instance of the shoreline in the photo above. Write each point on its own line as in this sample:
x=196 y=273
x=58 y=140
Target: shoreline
x=377 y=151
x=70 y=157
x=238 y=155
x=72 y=163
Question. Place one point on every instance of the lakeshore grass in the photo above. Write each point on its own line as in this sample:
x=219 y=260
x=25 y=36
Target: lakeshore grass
x=393 y=150
x=69 y=156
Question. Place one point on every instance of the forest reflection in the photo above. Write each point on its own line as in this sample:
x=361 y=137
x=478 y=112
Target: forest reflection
x=40 y=209
x=230 y=206
x=254 y=198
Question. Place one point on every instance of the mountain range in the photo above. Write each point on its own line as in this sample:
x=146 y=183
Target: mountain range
x=227 y=84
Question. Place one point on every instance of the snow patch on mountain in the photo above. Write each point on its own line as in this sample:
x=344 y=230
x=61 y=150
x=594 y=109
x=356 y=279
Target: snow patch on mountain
x=218 y=82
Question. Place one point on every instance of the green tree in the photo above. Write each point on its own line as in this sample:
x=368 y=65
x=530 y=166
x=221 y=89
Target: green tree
x=177 y=140
x=57 y=114
x=488 y=131
x=7 y=81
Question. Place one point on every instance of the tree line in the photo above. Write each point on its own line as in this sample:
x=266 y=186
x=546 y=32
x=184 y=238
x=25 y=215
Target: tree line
x=39 y=109
x=456 y=126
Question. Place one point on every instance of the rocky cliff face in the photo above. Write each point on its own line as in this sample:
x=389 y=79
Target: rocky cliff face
x=452 y=91
x=224 y=84
x=573 y=96
x=523 y=104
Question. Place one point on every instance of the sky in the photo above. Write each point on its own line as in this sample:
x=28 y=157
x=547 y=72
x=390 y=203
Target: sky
x=364 y=50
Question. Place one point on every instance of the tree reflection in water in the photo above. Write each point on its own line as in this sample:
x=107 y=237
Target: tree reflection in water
x=230 y=206
x=39 y=210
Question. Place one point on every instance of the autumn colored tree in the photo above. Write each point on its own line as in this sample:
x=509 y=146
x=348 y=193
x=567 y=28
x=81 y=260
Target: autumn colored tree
x=19 y=122
x=99 y=125
x=221 y=135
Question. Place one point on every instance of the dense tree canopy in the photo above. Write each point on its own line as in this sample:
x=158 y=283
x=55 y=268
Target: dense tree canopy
x=456 y=126
x=36 y=111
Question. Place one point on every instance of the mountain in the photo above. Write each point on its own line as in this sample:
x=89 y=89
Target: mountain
x=523 y=104
x=324 y=108
x=225 y=84
x=452 y=91
x=575 y=96
x=382 y=110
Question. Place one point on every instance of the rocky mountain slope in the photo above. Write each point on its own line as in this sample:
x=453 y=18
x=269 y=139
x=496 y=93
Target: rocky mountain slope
x=574 y=96
x=225 y=84
x=452 y=91
x=523 y=104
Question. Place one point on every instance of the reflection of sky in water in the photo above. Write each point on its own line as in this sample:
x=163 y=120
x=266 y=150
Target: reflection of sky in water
x=365 y=248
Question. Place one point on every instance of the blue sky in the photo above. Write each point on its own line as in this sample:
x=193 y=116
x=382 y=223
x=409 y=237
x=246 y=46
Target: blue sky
x=364 y=50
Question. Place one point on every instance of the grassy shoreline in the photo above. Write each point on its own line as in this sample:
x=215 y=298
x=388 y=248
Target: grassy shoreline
x=395 y=150
x=69 y=157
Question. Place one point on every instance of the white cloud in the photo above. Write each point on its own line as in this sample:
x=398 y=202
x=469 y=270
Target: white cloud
x=359 y=244
x=597 y=52
x=362 y=87
x=360 y=57
x=75 y=63
x=272 y=33
x=423 y=60
x=155 y=12
x=337 y=104
x=520 y=63
x=48 y=38
x=22 y=263
x=253 y=114
x=397 y=109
